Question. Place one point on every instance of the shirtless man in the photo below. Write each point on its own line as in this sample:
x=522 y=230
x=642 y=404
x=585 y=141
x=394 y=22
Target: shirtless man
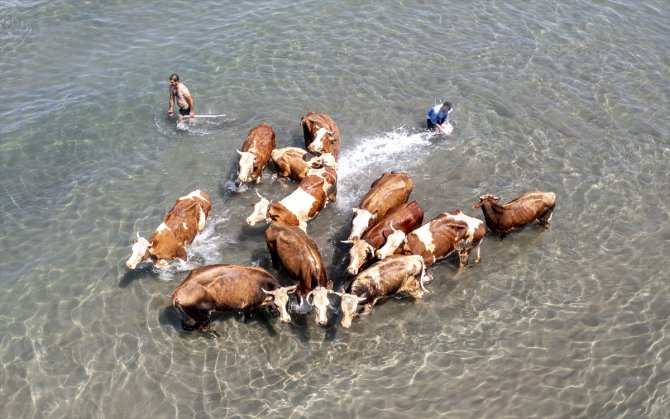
x=184 y=99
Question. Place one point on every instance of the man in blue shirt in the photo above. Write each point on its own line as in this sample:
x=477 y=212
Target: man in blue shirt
x=438 y=118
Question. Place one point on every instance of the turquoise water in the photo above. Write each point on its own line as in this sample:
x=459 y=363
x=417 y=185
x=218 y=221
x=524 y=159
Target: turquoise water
x=570 y=97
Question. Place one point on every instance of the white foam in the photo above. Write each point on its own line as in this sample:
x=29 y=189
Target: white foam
x=388 y=151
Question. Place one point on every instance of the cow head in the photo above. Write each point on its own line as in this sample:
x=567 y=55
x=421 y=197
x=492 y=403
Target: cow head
x=360 y=252
x=280 y=300
x=260 y=211
x=488 y=198
x=246 y=169
x=361 y=221
x=318 y=145
x=349 y=306
x=319 y=296
x=393 y=242
x=140 y=252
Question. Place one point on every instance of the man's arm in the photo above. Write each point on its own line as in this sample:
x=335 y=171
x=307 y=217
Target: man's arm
x=171 y=103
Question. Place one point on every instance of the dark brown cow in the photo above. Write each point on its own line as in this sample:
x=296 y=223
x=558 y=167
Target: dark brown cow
x=311 y=196
x=294 y=251
x=178 y=229
x=447 y=233
x=519 y=212
x=226 y=287
x=404 y=217
x=321 y=134
x=255 y=154
x=391 y=189
x=393 y=275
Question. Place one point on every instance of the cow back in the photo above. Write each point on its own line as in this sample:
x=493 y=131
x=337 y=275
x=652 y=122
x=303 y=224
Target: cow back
x=391 y=189
x=223 y=287
x=437 y=239
x=385 y=277
x=297 y=254
x=405 y=217
x=260 y=141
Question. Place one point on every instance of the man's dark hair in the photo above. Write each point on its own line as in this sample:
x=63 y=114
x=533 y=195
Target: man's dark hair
x=447 y=103
x=174 y=77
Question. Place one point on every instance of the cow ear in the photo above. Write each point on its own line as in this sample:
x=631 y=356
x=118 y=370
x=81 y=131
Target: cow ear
x=329 y=284
x=477 y=205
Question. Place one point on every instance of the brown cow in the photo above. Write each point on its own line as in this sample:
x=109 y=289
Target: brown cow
x=226 y=287
x=178 y=229
x=391 y=189
x=404 y=217
x=294 y=251
x=519 y=212
x=303 y=204
x=321 y=134
x=447 y=233
x=393 y=275
x=255 y=154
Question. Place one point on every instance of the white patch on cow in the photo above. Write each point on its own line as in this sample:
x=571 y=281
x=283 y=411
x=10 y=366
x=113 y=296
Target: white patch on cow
x=184 y=225
x=259 y=213
x=393 y=242
x=360 y=222
x=162 y=227
x=195 y=194
x=246 y=166
x=299 y=203
x=202 y=218
x=139 y=249
x=317 y=144
x=473 y=223
x=426 y=237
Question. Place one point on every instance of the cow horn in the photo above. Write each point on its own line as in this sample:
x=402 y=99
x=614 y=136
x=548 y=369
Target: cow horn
x=347 y=241
x=239 y=152
x=259 y=195
x=291 y=289
x=268 y=292
x=309 y=294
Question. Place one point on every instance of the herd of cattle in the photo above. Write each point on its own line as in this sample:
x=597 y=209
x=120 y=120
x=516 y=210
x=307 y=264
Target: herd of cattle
x=387 y=237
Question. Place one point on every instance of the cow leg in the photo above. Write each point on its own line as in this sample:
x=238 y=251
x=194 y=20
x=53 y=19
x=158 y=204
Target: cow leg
x=333 y=194
x=367 y=308
x=412 y=287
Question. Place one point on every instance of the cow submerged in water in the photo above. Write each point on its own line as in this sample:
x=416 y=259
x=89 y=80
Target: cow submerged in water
x=255 y=154
x=523 y=210
x=404 y=217
x=389 y=190
x=443 y=235
x=178 y=229
x=317 y=188
x=393 y=275
x=226 y=287
x=321 y=134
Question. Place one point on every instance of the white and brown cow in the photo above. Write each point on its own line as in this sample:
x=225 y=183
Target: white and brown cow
x=178 y=229
x=519 y=212
x=391 y=189
x=321 y=134
x=393 y=275
x=255 y=154
x=443 y=235
x=404 y=217
x=294 y=162
x=297 y=253
x=315 y=190
x=226 y=287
